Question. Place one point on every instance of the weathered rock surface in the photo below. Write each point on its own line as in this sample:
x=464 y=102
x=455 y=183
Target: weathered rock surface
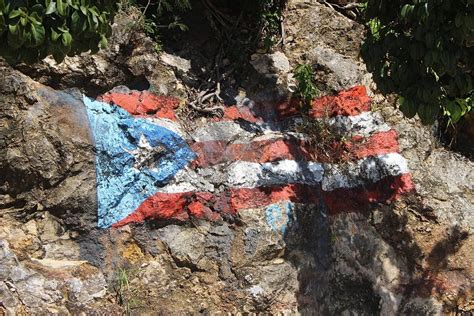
x=330 y=44
x=47 y=285
x=412 y=257
x=270 y=64
x=46 y=152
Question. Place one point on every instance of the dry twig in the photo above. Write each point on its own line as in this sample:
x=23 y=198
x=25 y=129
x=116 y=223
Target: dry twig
x=213 y=99
x=347 y=9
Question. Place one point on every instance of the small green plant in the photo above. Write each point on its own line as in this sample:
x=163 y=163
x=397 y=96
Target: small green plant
x=306 y=89
x=126 y=296
x=157 y=16
x=325 y=141
x=122 y=287
x=270 y=15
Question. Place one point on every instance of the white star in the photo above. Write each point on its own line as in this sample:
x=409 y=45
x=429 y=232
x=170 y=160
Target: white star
x=145 y=155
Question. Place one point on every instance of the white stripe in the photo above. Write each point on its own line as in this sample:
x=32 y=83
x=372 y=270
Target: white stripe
x=368 y=170
x=243 y=174
x=364 y=124
x=168 y=124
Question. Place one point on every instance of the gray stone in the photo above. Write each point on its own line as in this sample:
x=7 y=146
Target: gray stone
x=177 y=62
x=84 y=291
x=7 y=260
x=270 y=64
x=186 y=245
x=8 y=299
x=344 y=73
x=448 y=184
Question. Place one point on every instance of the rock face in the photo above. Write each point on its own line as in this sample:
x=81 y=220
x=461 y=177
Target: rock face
x=412 y=255
x=47 y=159
x=270 y=64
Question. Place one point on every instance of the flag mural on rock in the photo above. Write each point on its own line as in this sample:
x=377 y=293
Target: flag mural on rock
x=151 y=165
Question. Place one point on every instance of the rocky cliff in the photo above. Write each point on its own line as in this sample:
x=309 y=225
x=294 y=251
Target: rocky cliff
x=116 y=198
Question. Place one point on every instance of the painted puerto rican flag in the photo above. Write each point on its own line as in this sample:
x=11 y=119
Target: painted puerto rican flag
x=152 y=166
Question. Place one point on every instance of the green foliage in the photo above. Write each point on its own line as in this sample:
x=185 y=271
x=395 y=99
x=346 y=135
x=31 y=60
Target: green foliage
x=306 y=89
x=161 y=14
x=269 y=16
x=127 y=296
x=166 y=15
x=325 y=141
x=457 y=108
x=423 y=50
x=263 y=18
x=34 y=29
x=121 y=282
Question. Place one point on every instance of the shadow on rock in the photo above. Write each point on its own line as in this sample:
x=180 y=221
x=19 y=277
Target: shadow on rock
x=375 y=262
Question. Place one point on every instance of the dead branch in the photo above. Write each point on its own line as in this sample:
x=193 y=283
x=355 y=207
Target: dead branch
x=347 y=9
x=221 y=17
x=208 y=101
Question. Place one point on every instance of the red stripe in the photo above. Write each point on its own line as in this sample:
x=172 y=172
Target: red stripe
x=214 y=152
x=347 y=103
x=143 y=103
x=358 y=199
x=232 y=113
x=377 y=144
x=351 y=102
x=181 y=206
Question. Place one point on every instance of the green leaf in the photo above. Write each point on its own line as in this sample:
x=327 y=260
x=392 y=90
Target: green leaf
x=61 y=7
x=454 y=111
x=58 y=55
x=38 y=34
x=75 y=22
x=91 y=24
x=103 y=42
x=13 y=28
x=14 y=14
x=63 y=29
x=35 y=18
x=95 y=20
x=51 y=8
x=38 y=9
x=16 y=37
x=74 y=3
x=3 y=25
x=55 y=35
x=407 y=107
x=428 y=113
x=94 y=11
x=33 y=29
x=67 y=39
x=406 y=10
